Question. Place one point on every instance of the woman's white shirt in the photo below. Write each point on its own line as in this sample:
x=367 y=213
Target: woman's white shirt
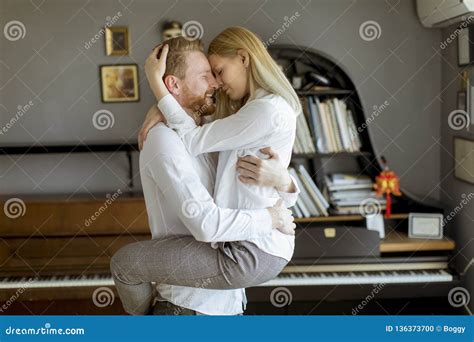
x=267 y=120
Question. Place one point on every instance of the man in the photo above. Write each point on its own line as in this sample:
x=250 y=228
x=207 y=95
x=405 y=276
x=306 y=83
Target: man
x=177 y=190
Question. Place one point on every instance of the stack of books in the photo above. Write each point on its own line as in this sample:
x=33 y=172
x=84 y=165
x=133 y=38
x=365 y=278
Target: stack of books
x=348 y=193
x=304 y=143
x=311 y=201
x=332 y=125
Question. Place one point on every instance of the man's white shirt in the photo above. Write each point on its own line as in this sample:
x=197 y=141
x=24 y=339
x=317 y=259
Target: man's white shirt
x=177 y=190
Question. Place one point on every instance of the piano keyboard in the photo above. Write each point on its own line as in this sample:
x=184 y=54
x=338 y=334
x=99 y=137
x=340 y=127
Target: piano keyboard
x=92 y=280
x=353 y=278
x=284 y=279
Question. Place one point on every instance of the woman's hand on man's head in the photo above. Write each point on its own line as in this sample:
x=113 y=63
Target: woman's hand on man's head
x=155 y=68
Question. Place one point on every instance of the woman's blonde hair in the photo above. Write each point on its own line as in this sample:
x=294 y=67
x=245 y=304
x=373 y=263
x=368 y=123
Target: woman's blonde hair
x=264 y=71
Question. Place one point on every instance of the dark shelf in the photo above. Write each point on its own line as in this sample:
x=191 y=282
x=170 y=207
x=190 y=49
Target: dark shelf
x=327 y=155
x=324 y=92
x=344 y=217
x=78 y=148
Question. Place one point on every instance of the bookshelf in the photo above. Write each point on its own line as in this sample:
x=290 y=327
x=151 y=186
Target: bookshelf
x=299 y=61
x=324 y=92
x=342 y=218
x=340 y=88
x=329 y=155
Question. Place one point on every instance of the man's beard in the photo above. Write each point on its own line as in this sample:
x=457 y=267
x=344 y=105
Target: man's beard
x=200 y=105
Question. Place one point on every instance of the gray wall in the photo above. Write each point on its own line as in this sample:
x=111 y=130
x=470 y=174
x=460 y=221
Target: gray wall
x=462 y=227
x=51 y=67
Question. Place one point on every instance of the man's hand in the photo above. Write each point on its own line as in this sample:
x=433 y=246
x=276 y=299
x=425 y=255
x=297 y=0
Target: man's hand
x=265 y=172
x=153 y=117
x=282 y=218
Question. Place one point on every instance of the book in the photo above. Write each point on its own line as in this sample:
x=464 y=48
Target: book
x=304 y=196
x=304 y=143
x=348 y=193
x=315 y=193
x=331 y=124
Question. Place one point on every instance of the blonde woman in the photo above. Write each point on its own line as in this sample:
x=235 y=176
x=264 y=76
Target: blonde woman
x=264 y=107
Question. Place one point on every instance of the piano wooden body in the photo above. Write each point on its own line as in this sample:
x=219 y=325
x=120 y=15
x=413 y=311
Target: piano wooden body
x=51 y=262
x=55 y=255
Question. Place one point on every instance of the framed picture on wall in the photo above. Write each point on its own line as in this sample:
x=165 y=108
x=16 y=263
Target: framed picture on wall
x=463 y=159
x=119 y=83
x=470 y=99
x=464 y=47
x=117 y=41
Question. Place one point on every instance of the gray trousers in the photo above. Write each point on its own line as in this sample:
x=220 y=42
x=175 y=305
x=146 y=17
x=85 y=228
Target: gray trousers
x=184 y=261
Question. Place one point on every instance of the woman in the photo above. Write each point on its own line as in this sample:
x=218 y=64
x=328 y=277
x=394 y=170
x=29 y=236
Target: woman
x=265 y=107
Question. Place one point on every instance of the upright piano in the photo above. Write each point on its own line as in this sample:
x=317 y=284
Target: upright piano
x=52 y=262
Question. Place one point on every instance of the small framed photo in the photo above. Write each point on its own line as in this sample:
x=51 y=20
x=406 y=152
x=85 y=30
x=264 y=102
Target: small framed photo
x=119 y=83
x=425 y=226
x=463 y=159
x=464 y=47
x=117 y=41
x=462 y=101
